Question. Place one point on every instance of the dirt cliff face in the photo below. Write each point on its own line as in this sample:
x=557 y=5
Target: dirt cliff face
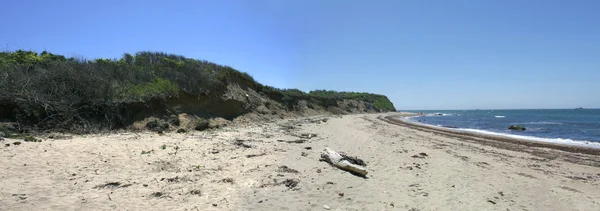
x=235 y=101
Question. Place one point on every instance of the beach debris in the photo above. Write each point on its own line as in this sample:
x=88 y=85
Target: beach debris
x=196 y=192
x=344 y=162
x=157 y=194
x=285 y=169
x=326 y=207
x=227 y=180
x=304 y=154
x=516 y=127
x=241 y=143
x=318 y=121
x=147 y=152
x=420 y=155
x=298 y=141
x=21 y=196
x=111 y=185
x=173 y=179
x=255 y=155
x=287 y=127
x=353 y=159
x=17 y=143
x=291 y=183
x=307 y=148
x=181 y=130
x=308 y=135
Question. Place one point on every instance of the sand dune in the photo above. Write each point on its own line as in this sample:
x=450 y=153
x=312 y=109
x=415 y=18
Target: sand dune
x=272 y=166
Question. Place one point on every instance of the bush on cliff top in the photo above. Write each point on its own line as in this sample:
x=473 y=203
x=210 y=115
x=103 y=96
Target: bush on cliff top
x=52 y=91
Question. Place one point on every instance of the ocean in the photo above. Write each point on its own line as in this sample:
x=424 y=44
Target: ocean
x=566 y=126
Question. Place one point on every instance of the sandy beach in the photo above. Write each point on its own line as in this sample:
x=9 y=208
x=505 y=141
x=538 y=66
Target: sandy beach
x=275 y=166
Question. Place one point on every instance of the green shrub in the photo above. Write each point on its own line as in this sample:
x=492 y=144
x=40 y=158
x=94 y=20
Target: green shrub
x=48 y=91
x=383 y=104
x=158 y=88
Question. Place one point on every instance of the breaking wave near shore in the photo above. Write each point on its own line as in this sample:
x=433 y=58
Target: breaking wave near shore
x=562 y=126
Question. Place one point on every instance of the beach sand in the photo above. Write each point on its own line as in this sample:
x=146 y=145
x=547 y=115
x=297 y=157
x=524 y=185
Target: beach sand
x=270 y=166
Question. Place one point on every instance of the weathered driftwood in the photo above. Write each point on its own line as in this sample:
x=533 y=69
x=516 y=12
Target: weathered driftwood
x=339 y=161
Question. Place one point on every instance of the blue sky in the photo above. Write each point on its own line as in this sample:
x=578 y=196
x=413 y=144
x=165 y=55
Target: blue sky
x=422 y=54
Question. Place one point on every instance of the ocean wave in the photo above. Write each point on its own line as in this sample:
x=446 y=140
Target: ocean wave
x=537 y=129
x=540 y=123
x=438 y=114
x=538 y=139
x=499 y=116
x=583 y=143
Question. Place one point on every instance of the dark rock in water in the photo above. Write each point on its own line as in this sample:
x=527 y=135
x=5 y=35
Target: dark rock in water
x=516 y=127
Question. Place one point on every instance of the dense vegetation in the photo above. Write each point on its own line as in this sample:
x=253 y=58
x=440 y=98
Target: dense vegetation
x=52 y=91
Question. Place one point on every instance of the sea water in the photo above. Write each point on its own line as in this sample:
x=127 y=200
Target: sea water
x=567 y=126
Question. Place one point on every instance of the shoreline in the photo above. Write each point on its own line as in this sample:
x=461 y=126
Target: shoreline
x=576 y=143
x=494 y=140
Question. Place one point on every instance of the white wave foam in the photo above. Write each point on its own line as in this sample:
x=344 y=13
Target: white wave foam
x=530 y=138
x=499 y=116
x=538 y=139
x=438 y=114
x=540 y=123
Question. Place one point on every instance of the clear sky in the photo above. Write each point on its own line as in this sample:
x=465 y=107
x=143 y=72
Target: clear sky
x=426 y=54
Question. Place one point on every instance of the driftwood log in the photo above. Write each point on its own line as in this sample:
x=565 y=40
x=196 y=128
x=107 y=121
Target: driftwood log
x=339 y=161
